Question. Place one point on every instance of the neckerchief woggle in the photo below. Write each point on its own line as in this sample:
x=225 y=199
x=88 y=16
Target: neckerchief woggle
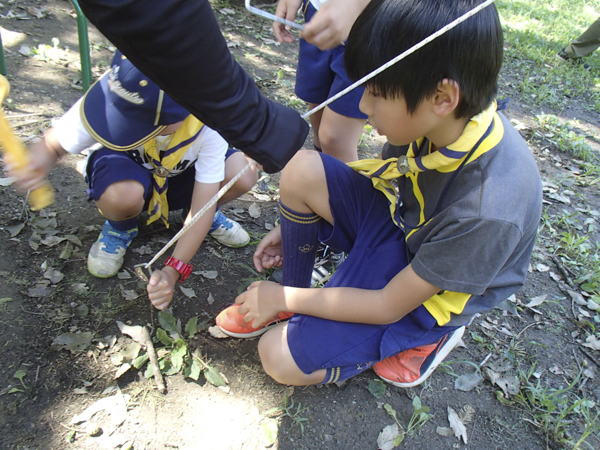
x=447 y=159
x=183 y=138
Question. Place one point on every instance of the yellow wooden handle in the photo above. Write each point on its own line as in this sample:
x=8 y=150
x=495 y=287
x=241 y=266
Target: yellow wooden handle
x=11 y=145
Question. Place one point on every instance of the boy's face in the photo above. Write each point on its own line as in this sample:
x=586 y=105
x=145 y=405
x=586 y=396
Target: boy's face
x=391 y=118
x=170 y=129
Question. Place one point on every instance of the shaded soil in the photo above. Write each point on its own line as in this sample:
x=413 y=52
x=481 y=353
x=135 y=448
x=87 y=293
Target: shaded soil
x=36 y=306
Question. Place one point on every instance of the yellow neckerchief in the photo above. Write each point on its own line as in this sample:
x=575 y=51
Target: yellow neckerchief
x=180 y=143
x=446 y=159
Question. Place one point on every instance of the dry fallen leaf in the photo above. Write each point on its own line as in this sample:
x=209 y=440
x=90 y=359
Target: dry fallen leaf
x=592 y=342
x=577 y=298
x=468 y=381
x=74 y=342
x=210 y=299
x=143 y=250
x=385 y=440
x=188 y=292
x=466 y=414
x=591 y=304
x=536 y=301
x=53 y=275
x=555 y=276
x=217 y=333
x=509 y=385
x=460 y=431
x=210 y=274
x=129 y=294
x=254 y=211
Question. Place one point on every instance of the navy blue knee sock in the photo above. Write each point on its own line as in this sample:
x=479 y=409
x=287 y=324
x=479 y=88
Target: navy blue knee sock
x=124 y=225
x=299 y=236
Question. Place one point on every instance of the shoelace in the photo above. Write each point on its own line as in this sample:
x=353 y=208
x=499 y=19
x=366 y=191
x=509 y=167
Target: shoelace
x=112 y=242
x=221 y=221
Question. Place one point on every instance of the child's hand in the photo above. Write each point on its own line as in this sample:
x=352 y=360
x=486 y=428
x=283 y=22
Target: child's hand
x=261 y=302
x=331 y=24
x=42 y=159
x=286 y=9
x=161 y=287
x=268 y=253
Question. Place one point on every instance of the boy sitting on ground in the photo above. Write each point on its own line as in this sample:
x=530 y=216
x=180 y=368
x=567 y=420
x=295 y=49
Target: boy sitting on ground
x=454 y=241
x=150 y=154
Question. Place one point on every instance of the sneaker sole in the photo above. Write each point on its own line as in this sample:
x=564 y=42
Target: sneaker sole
x=445 y=351
x=248 y=335
x=232 y=246
x=98 y=275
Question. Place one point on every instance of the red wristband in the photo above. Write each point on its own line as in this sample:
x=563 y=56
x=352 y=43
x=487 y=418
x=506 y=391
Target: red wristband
x=181 y=267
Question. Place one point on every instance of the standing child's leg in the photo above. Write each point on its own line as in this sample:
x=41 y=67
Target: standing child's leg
x=337 y=135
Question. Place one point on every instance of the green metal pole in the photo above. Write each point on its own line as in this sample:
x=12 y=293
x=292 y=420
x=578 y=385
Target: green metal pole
x=84 y=47
x=2 y=62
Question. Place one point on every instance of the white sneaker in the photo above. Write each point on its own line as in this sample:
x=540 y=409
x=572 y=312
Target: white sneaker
x=106 y=255
x=228 y=232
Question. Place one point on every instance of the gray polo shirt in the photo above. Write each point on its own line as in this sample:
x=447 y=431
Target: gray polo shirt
x=478 y=241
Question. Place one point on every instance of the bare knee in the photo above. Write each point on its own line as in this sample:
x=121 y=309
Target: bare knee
x=302 y=172
x=122 y=199
x=268 y=358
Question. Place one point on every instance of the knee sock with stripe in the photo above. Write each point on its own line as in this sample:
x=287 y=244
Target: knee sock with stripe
x=124 y=225
x=299 y=236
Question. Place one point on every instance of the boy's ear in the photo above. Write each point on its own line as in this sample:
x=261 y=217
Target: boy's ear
x=446 y=97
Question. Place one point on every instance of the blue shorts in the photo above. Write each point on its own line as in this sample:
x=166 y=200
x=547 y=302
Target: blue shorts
x=105 y=167
x=377 y=252
x=321 y=74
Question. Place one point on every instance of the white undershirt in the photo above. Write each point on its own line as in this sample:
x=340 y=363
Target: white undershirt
x=207 y=151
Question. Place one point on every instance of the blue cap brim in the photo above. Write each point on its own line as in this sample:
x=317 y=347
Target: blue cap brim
x=109 y=125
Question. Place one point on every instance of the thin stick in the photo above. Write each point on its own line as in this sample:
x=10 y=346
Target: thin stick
x=401 y=56
x=528 y=326
x=200 y=213
x=562 y=269
x=31 y=122
x=15 y=116
x=141 y=335
x=485 y=359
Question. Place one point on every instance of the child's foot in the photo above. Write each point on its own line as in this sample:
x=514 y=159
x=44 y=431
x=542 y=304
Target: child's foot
x=106 y=255
x=231 y=322
x=413 y=366
x=228 y=232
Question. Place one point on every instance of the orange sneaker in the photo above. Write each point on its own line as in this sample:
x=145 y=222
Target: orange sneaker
x=231 y=322
x=413 y=366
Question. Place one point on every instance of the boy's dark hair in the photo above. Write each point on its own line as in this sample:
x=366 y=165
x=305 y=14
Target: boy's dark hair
x=470 y=54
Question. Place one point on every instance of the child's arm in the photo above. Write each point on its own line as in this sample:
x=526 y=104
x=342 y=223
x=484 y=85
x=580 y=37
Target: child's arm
x=405 y=292
x=162 y=283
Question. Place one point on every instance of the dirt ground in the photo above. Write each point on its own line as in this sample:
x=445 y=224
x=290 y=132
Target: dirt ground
x=46 y=292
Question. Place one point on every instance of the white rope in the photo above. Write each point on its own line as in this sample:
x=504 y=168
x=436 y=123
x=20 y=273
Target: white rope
x=401 y=56
x=266 y=15
x=393 y=61
x=200 y=213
